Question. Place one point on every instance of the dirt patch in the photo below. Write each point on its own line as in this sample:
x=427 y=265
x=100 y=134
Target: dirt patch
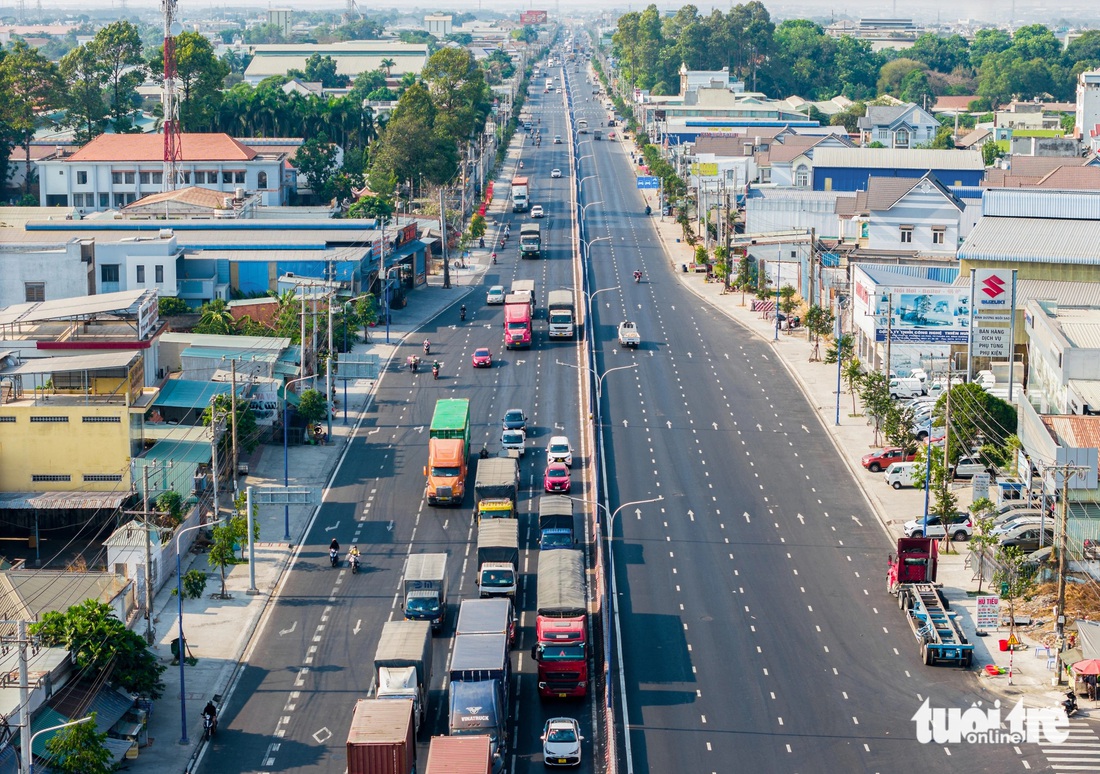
x=1082 y=603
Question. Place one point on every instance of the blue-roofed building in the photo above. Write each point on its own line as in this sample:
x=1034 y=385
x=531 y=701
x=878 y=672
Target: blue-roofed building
x=849 y=169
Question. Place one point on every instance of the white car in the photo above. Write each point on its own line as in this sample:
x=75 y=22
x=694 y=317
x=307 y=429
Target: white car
x=958 y=527
x=561 y=742
x=557 y=139
x=537 y=211
x=515 y=440
x=495 y=295
x=559 y=450
x=555 y=173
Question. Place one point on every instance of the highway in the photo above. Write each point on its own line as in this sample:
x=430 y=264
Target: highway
x=313 y=657
x=756 y=627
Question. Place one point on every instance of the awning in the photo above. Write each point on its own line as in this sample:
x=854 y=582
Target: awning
x=44 y=366
x=76 y=500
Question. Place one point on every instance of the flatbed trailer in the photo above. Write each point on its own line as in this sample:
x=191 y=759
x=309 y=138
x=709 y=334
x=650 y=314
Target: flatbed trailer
x=938 y=632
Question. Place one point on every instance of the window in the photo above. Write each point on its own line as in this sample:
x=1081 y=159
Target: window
x=94 y=419
x=906 y=234
x=122 y=178
x=801 y=176
x=152 y=178
x=49 y=419
x=901 y=139
x=261 y=180
x=141 y=275
x=104 y=200
x=233 y=176
x=938 y=236
x=34 y=291
x=82 y=178
x=883 y=135
x=766 y=175
x=102 y=477
x=108 y=272
x=158 y=273
x=46 y=477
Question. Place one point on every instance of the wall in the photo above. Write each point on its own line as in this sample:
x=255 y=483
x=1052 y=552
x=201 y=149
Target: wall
x=855 y=178
x=60 y=267
x=74 y=447
x=922 y=210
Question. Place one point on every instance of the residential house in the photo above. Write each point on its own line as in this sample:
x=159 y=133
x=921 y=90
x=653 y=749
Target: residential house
x=849 y=169
x=898 y=126
x=1087 y=109
x=115 y=170
x=1063 y=375
x=789 y=162
x=915 y=216
x=1031 y=171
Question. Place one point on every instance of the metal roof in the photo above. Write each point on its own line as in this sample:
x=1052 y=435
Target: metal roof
x=190 y=394
x=179 y=451
x=231 y=353
x=237 y=344
x=1041 y=203
x=76 y=500
x=1061 y=292
x=1087 y=389
x=1033 y=240
x=52 y=365
x=67 y=308
x=892 y=158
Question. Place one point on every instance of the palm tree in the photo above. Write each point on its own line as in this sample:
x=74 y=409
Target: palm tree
x=388 y=64
x=216 y=318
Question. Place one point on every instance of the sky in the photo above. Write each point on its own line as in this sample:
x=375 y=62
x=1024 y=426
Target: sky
x=929 y=11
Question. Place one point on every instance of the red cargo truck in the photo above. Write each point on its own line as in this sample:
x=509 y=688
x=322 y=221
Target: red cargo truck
x=460 y=755
x=517 y=326
x=915 y=562
x=561 y=628
x=382 y=737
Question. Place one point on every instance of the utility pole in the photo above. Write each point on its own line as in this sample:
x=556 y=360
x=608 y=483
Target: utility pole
x=302 y=339
x=443 y=233
x=24 y=697
x=148 y=540
x=233 y=420
x=1063 y=566
x=328 y=367
x=889 y=332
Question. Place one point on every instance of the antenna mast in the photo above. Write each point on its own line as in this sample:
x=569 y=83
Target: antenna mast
x=173 y=145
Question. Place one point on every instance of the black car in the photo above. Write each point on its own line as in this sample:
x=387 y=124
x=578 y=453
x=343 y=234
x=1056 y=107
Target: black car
x=1027 y=538
x=515 y=419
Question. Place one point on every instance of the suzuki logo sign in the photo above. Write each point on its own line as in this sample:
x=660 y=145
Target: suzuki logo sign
x=993 y=286
x=992 y=290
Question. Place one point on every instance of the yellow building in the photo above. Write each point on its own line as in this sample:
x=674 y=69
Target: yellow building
x=72 y=425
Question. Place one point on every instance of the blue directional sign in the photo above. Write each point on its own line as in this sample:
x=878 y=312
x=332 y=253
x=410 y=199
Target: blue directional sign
x=649 y=182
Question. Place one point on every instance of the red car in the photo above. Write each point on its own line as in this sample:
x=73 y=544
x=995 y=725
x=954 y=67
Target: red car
x=483 y=358
x=556 y=478
x=876 y=462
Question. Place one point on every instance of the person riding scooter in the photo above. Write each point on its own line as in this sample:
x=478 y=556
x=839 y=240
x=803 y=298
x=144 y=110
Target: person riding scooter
x=481 y=242
x=353 y=559
x=648 y=210
x=637 y=276
x=427 y=347
x=210 y=718
x=462 y=313
x=435 y=370
x=1070 y=704
x=334 y=552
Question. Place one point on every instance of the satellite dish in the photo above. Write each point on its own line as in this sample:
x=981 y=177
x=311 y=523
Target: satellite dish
x=175 y=29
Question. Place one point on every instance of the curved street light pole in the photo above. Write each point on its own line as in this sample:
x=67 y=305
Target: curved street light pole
x=180 y=645
x=286 y=449
x=584 y=208
x=30 y=758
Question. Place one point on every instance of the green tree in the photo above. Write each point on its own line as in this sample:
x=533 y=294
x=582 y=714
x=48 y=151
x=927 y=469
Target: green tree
x=851 y=368
x=991 y=151
x=787 y=301
x=987 y=41
x=458 y=91
x=216 y=318
x=378 y=207
x=977 y=418
x=940 y=53
x=84 y=75
x=248 y=436
x=118 y=46
x=849 y=118
x=916 y=88
x=897 y=426
x=945 y=139
x=981 y=513
x=312 y=407
x=170 y=505
x=819 y=322
x=388 y=65
x=79 y=749
x=316 y=162
x=200 y=75
x=194 y=584
x=944 y=501
x=169 y=306
x=321 y=69
x=31 y=85
x=477 y=226
x=891 y=77
x=102 y=645
x=874 y=391
x=410 y=147
x=226 y=537
x=1014 y=578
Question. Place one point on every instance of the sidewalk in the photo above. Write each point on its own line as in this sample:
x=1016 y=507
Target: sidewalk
x=218 y=632
x=852 y=437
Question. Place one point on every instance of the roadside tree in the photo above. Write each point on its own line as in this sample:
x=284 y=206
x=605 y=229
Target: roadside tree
x=79 y=749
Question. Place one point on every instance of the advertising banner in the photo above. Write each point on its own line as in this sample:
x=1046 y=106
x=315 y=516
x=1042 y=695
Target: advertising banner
x=924 y=315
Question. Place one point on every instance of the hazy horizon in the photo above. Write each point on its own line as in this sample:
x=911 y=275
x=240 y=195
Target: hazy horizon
x=929 y=12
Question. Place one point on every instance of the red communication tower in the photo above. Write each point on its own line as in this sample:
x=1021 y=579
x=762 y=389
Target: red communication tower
x=173 y=144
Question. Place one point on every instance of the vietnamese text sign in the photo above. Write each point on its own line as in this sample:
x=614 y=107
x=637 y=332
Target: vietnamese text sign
x=988 y=615
x=991 y=341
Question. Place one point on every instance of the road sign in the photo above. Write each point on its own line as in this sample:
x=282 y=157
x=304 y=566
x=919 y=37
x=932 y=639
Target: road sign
x=649 y=182
x=979 y=485
x=1012 y=641
x=991 y=341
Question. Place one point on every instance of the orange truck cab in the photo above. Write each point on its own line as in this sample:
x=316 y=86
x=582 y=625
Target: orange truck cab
x=446 y=471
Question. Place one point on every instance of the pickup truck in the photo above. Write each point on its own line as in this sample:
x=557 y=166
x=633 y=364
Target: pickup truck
x=628 y=335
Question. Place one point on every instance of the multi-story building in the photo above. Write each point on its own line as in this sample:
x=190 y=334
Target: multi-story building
x=352 y=57
x=115 y=170
x=1087 y=127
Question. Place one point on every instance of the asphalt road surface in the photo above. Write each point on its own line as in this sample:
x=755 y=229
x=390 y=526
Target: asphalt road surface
x=314 y=657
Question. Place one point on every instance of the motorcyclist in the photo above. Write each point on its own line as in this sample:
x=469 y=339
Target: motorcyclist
x=481 y=242
x=427 y=347
x=462 y=312
x=494 y=257
x=210 y=713
x=353 y=557
x=637 y=276
x=334 y=545
x=484 y=453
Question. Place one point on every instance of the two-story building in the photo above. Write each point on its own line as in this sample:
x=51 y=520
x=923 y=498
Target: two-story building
x=849 y=169
x=898 y=126
x=115 y=170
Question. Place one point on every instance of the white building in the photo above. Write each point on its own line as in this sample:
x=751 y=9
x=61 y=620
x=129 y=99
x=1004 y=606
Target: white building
x=280 y=17
x=1064 y=358
x=46 y=271
x=1087 y=128
x=352 y=57
x=114 y=170
x=438 y=24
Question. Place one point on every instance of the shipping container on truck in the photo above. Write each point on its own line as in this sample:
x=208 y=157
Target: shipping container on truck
x=556 y=524
x=460 y=755
x=498 y=557
x=382 y=737
x=521 y=194
x=448 y=452
x=530 y=240
x=561 y=627
x=403 y=664
x=496 y=488
x=487 y=616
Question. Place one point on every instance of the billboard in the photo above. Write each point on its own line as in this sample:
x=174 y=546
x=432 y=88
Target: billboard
x=915 y=315
x=532 y=17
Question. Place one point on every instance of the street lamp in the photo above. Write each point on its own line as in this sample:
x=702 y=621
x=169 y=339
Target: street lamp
x=30 y=757
x=584 y=207
x=179 y=621
x=586 y=177
x=599 y=377
x=286 y=447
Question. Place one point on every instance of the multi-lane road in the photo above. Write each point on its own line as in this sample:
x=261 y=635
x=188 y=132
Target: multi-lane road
x=756 y=634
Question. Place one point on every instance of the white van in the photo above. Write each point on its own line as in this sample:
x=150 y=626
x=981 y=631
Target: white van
x=907 y=387
x=901 y=474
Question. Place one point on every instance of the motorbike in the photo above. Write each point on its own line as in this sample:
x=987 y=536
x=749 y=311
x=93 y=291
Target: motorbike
x=502 y=243
x=521 y=165
x=427 y=347
x=353 y=560
x=494 y=257
x=648 y=209
x=334 y=557
x=481 y=243
x=435 y=372
x=209 y=724
x=1069 y=706
x=462 y=314
x=637 y=276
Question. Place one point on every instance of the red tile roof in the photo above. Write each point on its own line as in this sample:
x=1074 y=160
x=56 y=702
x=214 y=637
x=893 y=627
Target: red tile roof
x=150 y=147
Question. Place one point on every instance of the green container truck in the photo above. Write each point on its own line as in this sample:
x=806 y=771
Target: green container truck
x=451 y=420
